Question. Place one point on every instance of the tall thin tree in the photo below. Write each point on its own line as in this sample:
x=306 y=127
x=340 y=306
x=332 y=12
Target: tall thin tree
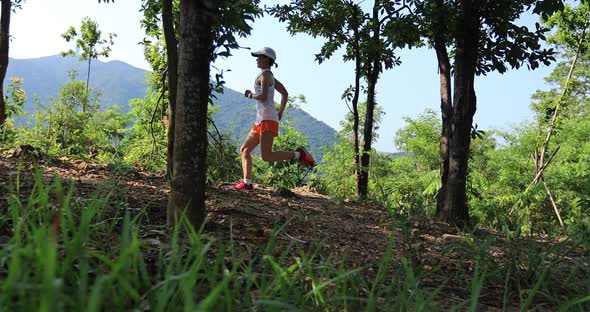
x=369 y=40
x=89 y=40
x=172 y=73
x=573 y=26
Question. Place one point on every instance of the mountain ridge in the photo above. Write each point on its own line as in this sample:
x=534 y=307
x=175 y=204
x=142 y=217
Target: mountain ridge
x=119 y=82
x=43 y=77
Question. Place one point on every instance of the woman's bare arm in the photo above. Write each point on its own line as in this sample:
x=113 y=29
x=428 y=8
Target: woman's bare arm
x=284 y=97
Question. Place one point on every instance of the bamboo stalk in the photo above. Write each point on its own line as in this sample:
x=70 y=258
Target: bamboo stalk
x=554 y=205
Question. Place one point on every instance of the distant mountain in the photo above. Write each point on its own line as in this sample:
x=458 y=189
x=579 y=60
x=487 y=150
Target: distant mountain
x=119 y=82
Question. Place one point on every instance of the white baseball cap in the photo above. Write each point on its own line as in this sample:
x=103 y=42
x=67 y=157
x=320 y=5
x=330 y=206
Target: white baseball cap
x=266 y=51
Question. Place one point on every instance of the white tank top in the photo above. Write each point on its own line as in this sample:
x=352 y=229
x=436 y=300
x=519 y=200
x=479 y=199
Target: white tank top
x=265 y=110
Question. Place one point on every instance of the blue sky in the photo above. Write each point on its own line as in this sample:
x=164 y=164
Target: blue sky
x=404 y=91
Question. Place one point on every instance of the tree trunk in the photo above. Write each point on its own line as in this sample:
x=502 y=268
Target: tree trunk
x=355 y=113
x=190 y=146
x=87 y=81
x=446 y=104
x=4 y=44
x=172 y=58
x=454 y=208
x=373 y=70
x=367 y=140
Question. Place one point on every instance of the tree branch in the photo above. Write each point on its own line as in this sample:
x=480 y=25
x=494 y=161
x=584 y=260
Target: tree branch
x=554 y=205
x=390 y=13
x=542 y=167
x=560 y=99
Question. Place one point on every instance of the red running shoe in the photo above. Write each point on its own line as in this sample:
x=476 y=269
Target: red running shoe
x=305 y=157
x=242 y=186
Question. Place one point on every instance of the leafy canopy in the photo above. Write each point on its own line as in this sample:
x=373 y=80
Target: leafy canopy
x=89 y=40
x=344 y=24
x=503 y=42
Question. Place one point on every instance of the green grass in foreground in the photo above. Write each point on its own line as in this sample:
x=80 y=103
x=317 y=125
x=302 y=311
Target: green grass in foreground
x=100 y=262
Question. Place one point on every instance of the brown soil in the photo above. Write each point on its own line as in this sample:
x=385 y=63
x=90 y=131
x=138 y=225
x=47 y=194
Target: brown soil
x=350 y=232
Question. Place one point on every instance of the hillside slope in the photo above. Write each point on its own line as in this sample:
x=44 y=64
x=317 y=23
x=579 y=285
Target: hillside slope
x=436 y=259
x=237 y=113
x=119 y=82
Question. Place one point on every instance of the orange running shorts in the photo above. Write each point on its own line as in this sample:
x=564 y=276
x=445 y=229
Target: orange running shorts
x=265 y=126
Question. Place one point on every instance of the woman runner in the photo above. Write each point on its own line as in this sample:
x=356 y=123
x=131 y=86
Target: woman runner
x=266 y=126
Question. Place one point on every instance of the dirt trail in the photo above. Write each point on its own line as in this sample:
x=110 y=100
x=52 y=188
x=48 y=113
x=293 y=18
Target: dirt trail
x=351 y=232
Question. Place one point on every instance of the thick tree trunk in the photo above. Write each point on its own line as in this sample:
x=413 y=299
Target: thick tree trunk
x=446 y=104
x=172 y=58
x=454 y=209
x=4 y=43
x=190 y=146
x=446 y=108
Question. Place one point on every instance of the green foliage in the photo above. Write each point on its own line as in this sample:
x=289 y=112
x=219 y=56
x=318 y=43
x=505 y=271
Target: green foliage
x=409 y=189
x=571 y=28
x=345 y=24
x=500 y=177
x=347 y=123
x=233 y=20
x=106 y=256
x=283 y=174
x=15 y=98
x=494 y=175
x=145 y=144
x=414 y=180
x=337 y=172
x=14 y=104
x=103 y=261
x=8 y=134
x=222 y=158
x=419 y=139
x=405 y=184
x=73 y=125
x=336 y=177
x=564 y=178
x=60 y=127
x=569 y=175
x=89 y=40
x=503 y=43
x=107 y=131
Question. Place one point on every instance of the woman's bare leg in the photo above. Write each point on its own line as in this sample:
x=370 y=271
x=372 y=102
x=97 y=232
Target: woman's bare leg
x=266 y=140
x=248 y=146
